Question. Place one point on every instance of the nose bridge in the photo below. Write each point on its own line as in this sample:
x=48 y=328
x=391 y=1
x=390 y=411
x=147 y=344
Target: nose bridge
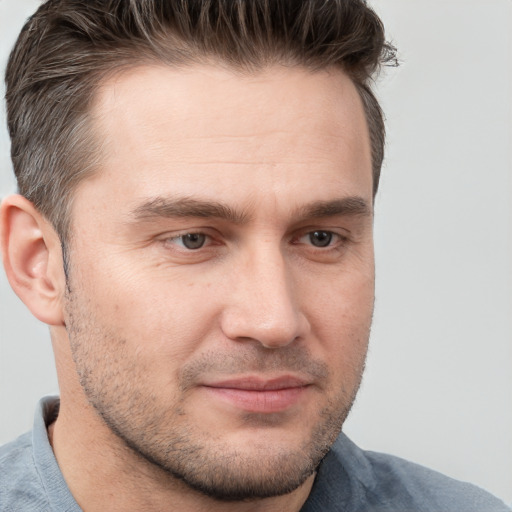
x=263 y=304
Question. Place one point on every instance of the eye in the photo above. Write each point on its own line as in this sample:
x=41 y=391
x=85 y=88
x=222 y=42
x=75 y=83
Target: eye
x=191 y=241
x=320 y=238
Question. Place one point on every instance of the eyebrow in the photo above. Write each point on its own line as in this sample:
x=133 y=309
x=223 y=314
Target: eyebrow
x=187 y=207
x=346 y=206
x=190 y=207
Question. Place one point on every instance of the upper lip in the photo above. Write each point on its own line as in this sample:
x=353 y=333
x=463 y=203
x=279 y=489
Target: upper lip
x=256 y=383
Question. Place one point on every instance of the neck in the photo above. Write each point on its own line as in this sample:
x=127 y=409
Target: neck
x=99 y=468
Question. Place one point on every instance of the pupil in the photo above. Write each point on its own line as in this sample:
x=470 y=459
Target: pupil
x=193 y=240
x=320 y=238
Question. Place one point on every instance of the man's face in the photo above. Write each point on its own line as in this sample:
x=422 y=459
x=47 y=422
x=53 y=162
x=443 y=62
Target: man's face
x=221 y=271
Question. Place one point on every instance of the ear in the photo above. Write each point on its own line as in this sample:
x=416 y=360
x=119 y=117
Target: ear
x=32 y=255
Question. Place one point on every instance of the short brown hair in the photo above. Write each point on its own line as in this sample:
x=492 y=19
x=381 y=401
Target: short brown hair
x=68 y=47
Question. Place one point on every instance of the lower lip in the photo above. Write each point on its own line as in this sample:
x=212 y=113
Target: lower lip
x=259 y=401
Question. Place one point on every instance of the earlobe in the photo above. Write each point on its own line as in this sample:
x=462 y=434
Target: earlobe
x=32 y=256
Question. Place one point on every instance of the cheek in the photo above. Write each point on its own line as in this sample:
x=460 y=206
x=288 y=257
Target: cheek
x=343 y=303
x=340 y=316
x=160 y=316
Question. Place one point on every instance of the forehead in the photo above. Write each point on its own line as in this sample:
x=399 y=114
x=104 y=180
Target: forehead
x=207 y=126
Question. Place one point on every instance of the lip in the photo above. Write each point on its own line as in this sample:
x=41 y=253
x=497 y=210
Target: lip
x=259 y=395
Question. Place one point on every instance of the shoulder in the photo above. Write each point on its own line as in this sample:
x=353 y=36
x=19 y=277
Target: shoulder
x=20 y=485
x=357 y=480
x=408 y=483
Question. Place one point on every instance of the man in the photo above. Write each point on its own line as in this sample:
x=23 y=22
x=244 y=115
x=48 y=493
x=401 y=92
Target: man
x=195 y=225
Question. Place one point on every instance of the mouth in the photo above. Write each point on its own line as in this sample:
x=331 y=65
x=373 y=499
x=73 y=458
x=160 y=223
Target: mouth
x=260 y=395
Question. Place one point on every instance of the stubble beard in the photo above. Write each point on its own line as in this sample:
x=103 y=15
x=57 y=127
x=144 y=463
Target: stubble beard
x=164 y=437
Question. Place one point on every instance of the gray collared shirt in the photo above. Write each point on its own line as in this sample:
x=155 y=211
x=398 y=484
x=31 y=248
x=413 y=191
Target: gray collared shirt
x=348 y=480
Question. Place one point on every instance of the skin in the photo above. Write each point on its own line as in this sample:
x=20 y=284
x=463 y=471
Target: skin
x=154 y=341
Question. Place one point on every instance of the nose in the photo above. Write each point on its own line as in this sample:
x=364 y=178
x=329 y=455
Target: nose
x=263 y=303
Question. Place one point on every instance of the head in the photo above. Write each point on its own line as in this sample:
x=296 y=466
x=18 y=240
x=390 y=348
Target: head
x=209 y=169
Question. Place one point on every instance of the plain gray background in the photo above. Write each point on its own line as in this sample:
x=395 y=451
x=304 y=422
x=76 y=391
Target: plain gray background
x=438 y=387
